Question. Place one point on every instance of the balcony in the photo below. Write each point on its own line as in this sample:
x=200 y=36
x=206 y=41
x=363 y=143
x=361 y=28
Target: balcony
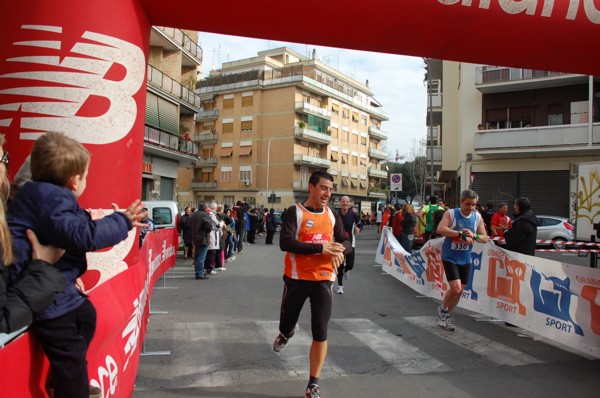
x=205 y=116
x=312 y=136
x=300 y=185
x=437 y=154
x=544 y=141
x=178 y=40
x=374 y=132
x=203 y=186
x=307 y=160
x=170 y=146
x=491 y=79
x=172 y=88
x=310 y=109
x=206 y=137
x=377 y=173
x=208 y=162
x=378 y=154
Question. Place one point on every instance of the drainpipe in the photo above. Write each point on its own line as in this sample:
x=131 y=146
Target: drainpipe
x=590 y=109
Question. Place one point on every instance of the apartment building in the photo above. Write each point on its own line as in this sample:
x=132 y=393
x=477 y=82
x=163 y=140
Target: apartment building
x=269 y=121
x=510 y=132
x=171 y=108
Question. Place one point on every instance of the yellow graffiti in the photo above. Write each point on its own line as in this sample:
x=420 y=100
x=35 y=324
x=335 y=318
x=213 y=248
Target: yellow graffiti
x=587 y=197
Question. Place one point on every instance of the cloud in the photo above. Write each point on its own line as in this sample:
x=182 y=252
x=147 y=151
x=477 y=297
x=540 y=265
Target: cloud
x=396 y=81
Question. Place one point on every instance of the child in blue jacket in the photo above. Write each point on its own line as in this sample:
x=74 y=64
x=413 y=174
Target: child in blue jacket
x=48 y=206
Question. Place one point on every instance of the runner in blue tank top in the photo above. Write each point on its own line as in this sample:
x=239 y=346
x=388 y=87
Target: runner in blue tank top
x=461 y=227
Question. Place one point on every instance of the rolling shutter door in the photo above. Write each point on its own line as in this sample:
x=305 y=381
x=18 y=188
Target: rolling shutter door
x=152 y=110
x=166 y=188
x=495 y=187
x=548 y=191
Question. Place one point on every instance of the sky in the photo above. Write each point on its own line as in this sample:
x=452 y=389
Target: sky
x=396 y=81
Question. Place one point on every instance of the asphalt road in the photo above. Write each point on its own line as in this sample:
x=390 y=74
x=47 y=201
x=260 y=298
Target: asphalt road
x=383 y=341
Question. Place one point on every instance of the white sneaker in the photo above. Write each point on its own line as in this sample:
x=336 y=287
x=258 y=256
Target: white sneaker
x=340 y=290
x=347 y=275
x=221 y=269
x=212 y=272
x=444 y=320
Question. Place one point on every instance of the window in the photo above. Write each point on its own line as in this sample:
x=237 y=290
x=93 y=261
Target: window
x=555 y=115
x=363 y=120
x=344 y=158
x=245 y=150
x=363 y=162
x=226 y=152
x=206 y=177
x=354 y=160
x=245 y=175
x=334 y=132
x=355 y=138
x=225 y=177
x=228 y=103
x=354 y=117
x=248 y=101
x=346 y=135
x=345 y=114
x=363 y=141
x=228 y=127
x=228 y=199
x=335 y=109
x=335 y=156
x=247 y=125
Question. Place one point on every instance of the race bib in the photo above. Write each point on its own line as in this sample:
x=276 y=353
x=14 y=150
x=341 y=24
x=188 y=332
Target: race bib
x=459 y=244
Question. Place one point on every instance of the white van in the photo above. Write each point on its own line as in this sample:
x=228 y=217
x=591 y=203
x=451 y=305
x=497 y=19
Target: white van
x=164 y=213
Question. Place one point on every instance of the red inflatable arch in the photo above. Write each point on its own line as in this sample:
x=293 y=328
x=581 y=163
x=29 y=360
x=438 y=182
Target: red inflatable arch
x=79 y=66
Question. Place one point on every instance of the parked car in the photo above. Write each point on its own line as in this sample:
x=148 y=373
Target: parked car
x=557 y=229
x=164 y=213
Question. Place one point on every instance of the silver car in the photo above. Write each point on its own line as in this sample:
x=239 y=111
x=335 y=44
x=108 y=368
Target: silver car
x=557 y=229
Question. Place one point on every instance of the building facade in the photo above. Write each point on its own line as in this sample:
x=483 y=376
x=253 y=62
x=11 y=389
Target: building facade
x=171 y=109
x=512 y=132
x=269 y=121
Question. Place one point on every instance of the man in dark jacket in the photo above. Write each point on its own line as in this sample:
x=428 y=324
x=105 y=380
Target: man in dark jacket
x=201 y=227
x=522 y=235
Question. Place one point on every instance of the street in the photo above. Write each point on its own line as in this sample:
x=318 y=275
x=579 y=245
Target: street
x=383 y=341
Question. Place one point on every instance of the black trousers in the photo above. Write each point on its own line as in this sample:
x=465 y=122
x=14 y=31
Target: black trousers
x=348 y=265
x=295 y=293
x=65 y=341
x=269 y=238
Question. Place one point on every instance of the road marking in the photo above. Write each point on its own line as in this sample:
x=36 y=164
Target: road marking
x=403 y=356
x=492 y=351
x=295 y=357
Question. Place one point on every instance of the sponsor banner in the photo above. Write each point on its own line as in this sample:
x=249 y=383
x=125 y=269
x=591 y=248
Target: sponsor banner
x=122 y=305
x=556 y=300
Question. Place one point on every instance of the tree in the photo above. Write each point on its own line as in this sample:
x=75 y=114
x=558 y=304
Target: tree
x=416 y=168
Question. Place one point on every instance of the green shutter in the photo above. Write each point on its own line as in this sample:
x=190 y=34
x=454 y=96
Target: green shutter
x=152 y=110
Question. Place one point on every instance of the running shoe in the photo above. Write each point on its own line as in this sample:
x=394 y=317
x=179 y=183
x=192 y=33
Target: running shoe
x=281 y=341
x=340 y=290
x=347 y=275
x=312 y=391
x=444 y=320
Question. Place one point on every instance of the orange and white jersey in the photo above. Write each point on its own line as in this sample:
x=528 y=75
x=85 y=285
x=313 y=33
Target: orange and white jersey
x=312 y=228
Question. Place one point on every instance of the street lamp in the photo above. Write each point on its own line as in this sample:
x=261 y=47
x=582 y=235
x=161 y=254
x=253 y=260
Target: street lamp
x=269 y=155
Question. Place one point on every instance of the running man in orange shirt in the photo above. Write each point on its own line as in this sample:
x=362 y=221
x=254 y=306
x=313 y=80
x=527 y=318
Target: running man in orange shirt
x=315 y=241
